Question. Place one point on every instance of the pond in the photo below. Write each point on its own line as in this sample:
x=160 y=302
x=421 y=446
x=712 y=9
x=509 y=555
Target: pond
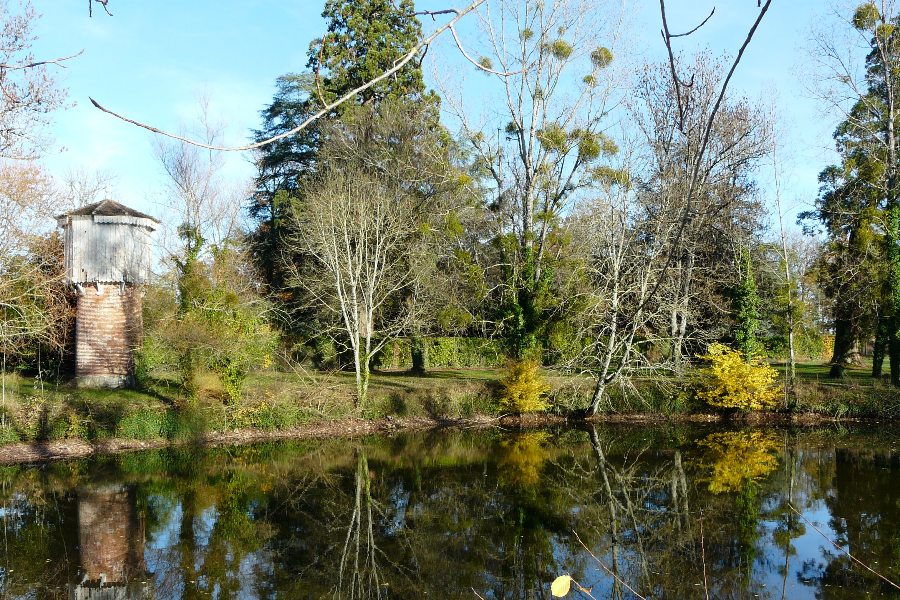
x=463 y=514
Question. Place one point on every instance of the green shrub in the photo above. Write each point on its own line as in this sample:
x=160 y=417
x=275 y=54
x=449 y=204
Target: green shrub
x=441 y=352
x=8 y=434
x=183 y=423
x=144 y=424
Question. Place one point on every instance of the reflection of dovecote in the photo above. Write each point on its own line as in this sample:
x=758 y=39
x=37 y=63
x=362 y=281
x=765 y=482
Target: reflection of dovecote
x=111 y=542
x=107 y=258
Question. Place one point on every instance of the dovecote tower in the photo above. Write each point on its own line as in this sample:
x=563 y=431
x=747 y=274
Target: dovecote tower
x=108 y=254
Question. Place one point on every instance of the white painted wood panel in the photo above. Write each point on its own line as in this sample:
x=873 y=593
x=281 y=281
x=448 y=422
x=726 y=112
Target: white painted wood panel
x=107 y=249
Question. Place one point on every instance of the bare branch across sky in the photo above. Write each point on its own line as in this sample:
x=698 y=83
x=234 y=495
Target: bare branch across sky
x=460 y=13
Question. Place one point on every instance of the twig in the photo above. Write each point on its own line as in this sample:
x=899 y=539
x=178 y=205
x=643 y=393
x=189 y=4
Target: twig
x=675 y=35
x=431 y=13
x=482 y=67
x=476 y=593
x=55 y=61
x=319 y=67
x=91 y=7
x=409 y=56
x=600 y=562
x=703 y=556
x=833 y=543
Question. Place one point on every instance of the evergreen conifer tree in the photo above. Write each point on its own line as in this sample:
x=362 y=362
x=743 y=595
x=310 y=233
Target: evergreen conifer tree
x=745 y=309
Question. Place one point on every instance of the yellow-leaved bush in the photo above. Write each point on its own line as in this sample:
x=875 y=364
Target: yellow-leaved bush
x=731 y=382
x=523 y=388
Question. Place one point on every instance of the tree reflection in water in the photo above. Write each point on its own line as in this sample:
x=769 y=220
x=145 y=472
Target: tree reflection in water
x=436 y=515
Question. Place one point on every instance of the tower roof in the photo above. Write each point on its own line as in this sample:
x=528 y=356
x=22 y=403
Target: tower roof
x=108 y=208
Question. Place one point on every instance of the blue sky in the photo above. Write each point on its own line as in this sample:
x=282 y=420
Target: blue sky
x=149 y=60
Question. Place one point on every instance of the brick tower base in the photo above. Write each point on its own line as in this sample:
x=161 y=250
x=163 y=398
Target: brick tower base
x=108 y=328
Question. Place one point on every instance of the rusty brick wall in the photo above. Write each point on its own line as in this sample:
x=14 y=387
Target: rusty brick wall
x=110 y=535
x=108 y=327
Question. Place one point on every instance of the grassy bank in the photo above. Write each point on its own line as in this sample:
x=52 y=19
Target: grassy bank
x=42 y=411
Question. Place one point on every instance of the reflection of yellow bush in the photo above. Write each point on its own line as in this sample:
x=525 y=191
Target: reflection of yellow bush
x=738 y=457
x=523 y=387
x=522 y=457
x=730 y=382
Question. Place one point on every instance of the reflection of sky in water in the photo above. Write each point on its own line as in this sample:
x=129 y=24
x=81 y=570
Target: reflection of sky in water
x=807 y=547
x=203 y=529
x=447 y=531
x=161 y=552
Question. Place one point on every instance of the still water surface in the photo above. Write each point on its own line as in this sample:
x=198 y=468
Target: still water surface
x=439 y=515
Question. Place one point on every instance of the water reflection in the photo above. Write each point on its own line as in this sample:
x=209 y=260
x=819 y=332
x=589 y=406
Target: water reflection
x=111 y=545
x=437 y=515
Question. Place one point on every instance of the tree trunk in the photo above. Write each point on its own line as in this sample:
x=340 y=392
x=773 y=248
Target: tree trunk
x=418 y=355
x=891 y=235
x=357 y=369
x=878 y=351
x=846 y=343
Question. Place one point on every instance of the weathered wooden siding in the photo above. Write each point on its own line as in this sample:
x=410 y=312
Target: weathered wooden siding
x=107 y=249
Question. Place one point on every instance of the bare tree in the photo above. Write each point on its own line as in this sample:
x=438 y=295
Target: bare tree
x=199 y=200
x=623 y=241
x=81 y=186
x=717 y=201
x=362 y=235
x=30 y=93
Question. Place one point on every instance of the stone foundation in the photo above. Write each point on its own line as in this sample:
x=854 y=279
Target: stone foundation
x=108 y=328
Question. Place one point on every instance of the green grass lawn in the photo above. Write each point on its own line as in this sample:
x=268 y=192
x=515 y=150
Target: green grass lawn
x=278 y=400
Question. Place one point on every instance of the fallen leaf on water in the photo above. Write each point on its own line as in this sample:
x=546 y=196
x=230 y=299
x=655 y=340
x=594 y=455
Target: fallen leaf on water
x=560 y=586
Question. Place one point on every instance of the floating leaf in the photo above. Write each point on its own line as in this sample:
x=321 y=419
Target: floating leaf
x=560 y=586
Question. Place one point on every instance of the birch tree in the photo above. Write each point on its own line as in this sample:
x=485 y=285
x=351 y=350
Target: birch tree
x=359 y=233
x=623 y=241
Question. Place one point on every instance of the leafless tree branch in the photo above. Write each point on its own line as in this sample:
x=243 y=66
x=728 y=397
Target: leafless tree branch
x=675 y=35
x=91 y=7
x=482 y=67
x=55 y=61
x=706 y=133
x=328 y=108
